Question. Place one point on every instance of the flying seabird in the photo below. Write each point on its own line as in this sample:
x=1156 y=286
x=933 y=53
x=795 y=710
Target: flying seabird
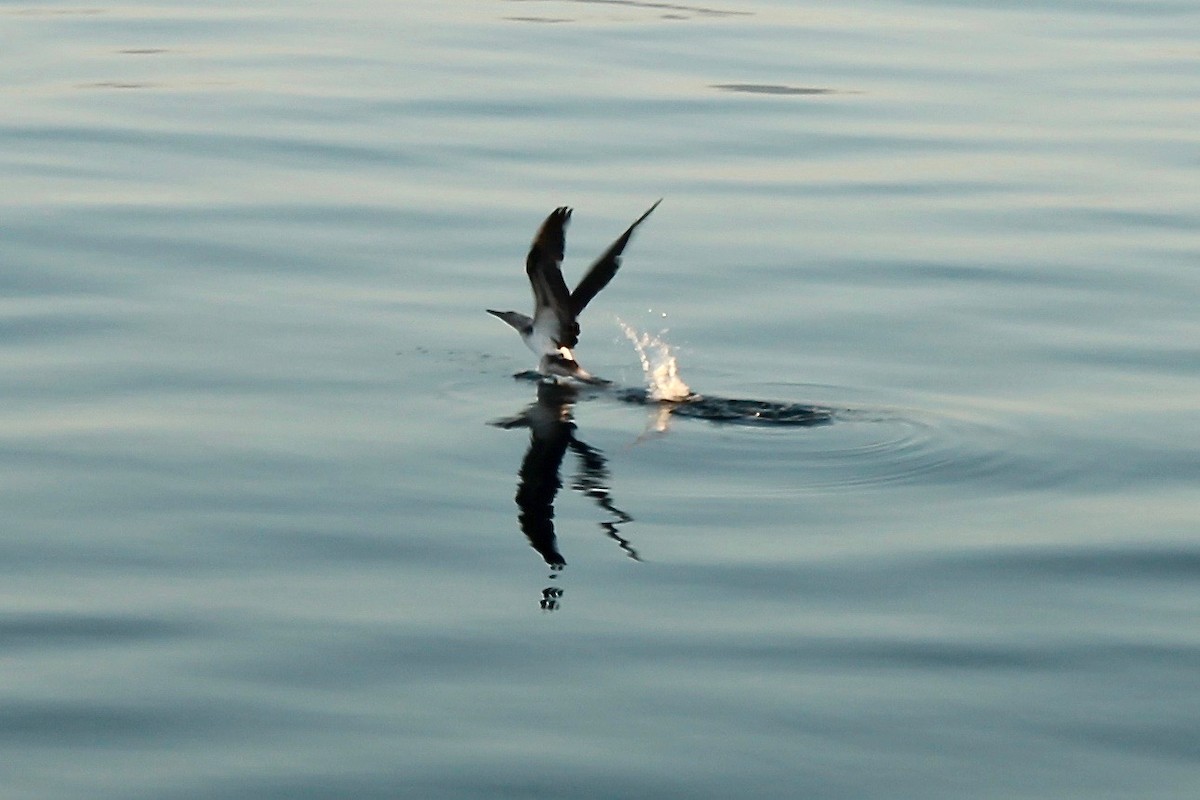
x=553 y=331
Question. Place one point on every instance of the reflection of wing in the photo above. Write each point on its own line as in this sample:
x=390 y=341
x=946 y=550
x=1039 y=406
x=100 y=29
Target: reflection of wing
x=551 y=432
x=550 y=429
x=543 y=265
x=601 y=272
x=535 y=497
x=592 y=480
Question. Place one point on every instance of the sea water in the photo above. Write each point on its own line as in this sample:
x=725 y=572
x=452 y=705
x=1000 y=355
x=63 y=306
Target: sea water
x=261 y=540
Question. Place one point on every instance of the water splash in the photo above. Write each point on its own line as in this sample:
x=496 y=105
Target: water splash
x=668 y=396
x=658 y=365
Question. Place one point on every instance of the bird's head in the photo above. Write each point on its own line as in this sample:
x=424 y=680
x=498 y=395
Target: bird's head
x=522 y=323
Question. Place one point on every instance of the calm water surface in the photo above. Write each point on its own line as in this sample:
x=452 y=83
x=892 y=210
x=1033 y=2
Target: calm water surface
x=262 y=449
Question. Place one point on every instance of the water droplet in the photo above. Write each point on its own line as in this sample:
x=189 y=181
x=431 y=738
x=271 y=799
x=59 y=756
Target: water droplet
x=658 y=365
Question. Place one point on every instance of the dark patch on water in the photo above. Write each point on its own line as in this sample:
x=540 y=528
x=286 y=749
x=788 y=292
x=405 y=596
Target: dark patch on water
x=734 y=410
x=116 y=85
x=700 y=10
x=770 y=88
x=725 y=410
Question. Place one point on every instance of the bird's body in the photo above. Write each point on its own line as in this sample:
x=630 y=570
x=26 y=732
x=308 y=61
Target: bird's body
x=553 y=330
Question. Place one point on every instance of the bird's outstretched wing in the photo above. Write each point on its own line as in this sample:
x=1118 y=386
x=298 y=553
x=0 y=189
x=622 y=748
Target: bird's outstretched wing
x=543 y=265
x=601 y=272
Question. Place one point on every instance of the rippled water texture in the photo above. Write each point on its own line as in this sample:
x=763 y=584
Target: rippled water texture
x=279 y=522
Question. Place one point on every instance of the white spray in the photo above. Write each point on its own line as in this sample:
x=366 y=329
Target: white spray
x=658 y=365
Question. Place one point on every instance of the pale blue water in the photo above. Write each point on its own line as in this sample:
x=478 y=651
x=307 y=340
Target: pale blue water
x=260 y=539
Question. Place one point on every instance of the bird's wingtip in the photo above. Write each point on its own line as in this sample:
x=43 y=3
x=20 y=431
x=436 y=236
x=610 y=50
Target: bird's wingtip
x=648 y=211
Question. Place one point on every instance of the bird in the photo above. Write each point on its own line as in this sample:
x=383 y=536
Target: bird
x=553 y=331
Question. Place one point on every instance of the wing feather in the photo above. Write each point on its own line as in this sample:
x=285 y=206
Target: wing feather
x=605 y=267
x=543 y=265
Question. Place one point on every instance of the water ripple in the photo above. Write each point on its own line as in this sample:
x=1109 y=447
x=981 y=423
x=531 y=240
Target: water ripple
x=858 y=446
x=46 y=630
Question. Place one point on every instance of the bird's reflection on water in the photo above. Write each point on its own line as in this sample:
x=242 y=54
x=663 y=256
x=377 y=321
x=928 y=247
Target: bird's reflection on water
x=551 y=435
